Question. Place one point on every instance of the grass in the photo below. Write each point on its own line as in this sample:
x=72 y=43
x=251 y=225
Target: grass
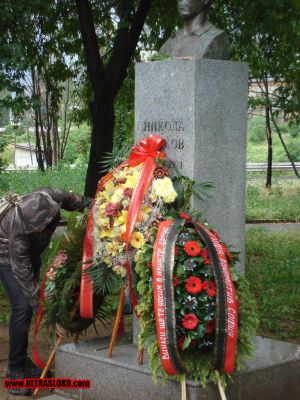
x=23 y=182
x=280 y=202
x=257 y=144
x=273 y=269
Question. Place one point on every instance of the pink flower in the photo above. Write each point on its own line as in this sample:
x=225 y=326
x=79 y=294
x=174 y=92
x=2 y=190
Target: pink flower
x=112 y=209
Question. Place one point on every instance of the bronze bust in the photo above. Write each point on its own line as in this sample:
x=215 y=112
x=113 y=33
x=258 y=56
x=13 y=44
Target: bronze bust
x=198 y=38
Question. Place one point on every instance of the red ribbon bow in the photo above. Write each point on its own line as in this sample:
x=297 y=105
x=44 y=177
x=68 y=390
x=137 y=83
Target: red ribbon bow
x=148 y=147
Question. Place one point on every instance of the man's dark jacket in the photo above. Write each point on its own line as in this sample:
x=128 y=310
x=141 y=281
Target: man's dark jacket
x=25 y=232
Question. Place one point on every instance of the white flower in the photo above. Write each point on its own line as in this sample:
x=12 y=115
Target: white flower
x=163 y=188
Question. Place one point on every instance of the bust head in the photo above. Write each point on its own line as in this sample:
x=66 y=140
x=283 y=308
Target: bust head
x=190 y=8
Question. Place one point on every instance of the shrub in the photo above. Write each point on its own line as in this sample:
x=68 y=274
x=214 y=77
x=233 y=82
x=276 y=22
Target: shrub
x=256 y=129
x=294 y=150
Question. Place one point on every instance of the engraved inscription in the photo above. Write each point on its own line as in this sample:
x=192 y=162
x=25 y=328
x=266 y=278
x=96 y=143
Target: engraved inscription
x=163 y=126
x=175 y=144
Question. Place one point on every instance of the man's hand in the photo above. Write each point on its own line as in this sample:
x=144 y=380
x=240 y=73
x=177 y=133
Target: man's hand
x=60 y=331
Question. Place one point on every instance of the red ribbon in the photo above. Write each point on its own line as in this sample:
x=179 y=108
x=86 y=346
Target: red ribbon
x=232 y=306
x=147 y=148
x=144 y=152
x=158 y=296
x=35 y=354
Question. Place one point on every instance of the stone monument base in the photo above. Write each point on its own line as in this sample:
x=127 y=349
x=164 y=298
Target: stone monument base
x=274 y=374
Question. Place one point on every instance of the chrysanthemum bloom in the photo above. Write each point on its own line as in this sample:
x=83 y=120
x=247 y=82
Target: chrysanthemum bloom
x=210 y=326
x=127 y=192
x=137 y=240
x=190 y=321
x=193 y=285
x=210 y=288
x=120 y=270
x=163 y=188
x=176 y=281
x=112 y=209
x=192 y=248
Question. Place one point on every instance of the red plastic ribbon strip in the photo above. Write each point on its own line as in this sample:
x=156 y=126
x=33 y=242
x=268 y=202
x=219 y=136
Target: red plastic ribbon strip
x=35 y=354
x=159 y=296
x=231 y=304
x=145 y=152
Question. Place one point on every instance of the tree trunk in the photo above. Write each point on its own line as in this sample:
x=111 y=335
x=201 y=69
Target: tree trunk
x=268 y=135
x=102 y=110
x=270 y=149
x=39 y=152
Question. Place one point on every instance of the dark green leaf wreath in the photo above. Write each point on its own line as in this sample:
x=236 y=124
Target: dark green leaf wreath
x=62 y=287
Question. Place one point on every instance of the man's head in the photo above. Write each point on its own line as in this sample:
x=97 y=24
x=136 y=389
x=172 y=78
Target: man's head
x=190 y=8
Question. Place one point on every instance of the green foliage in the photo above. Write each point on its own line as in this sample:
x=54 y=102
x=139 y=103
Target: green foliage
x=272 y=268
x=294 y=130
x=256 y=131
x=23 y=182
x=62 y=292
x=3 y=161
x=294 y=150
x=281 y=202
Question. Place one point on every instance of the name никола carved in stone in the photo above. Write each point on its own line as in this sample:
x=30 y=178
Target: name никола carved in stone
x=163 y=126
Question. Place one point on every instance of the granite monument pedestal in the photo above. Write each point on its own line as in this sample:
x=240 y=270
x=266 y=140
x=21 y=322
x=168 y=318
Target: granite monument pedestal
x=274 y=374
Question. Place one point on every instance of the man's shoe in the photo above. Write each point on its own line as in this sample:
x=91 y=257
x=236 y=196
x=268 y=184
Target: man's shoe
x=33 y=371
x=18 y=391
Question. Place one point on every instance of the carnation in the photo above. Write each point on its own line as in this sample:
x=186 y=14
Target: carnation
x=163 y=188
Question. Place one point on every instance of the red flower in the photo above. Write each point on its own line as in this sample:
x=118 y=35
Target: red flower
x=176 y=251
x=180 y=341
x=127 y=192
x=210 y=326
x=176 y=281
x=192 y=248
x=190 y=321
x=205 y=256
x=193 y=285
x=184 y=215
x=149 y=264
x=210 y=288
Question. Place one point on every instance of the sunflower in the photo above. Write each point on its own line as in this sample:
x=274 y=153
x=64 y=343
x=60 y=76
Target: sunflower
x=192 y=248
x=137 y=240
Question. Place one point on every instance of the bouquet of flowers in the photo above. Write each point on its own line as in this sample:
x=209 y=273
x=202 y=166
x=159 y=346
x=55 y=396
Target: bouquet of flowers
x=111 y=214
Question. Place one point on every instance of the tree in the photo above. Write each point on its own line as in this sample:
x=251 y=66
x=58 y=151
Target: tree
x=106 y=80
x=266 y=34
x=36 y=62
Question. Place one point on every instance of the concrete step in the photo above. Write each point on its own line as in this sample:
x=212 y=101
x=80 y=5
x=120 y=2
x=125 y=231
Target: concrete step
x=55 y=397
x=273 y=374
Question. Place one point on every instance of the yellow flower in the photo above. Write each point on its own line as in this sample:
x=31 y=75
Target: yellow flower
x=103 y=221
x=117 y=196
x=122 y=219
x=120 y=270
x=163 y=188
x=137 y=240
x=106 y=233
x=131 y=181
x=111 y=248
x=107 y=261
